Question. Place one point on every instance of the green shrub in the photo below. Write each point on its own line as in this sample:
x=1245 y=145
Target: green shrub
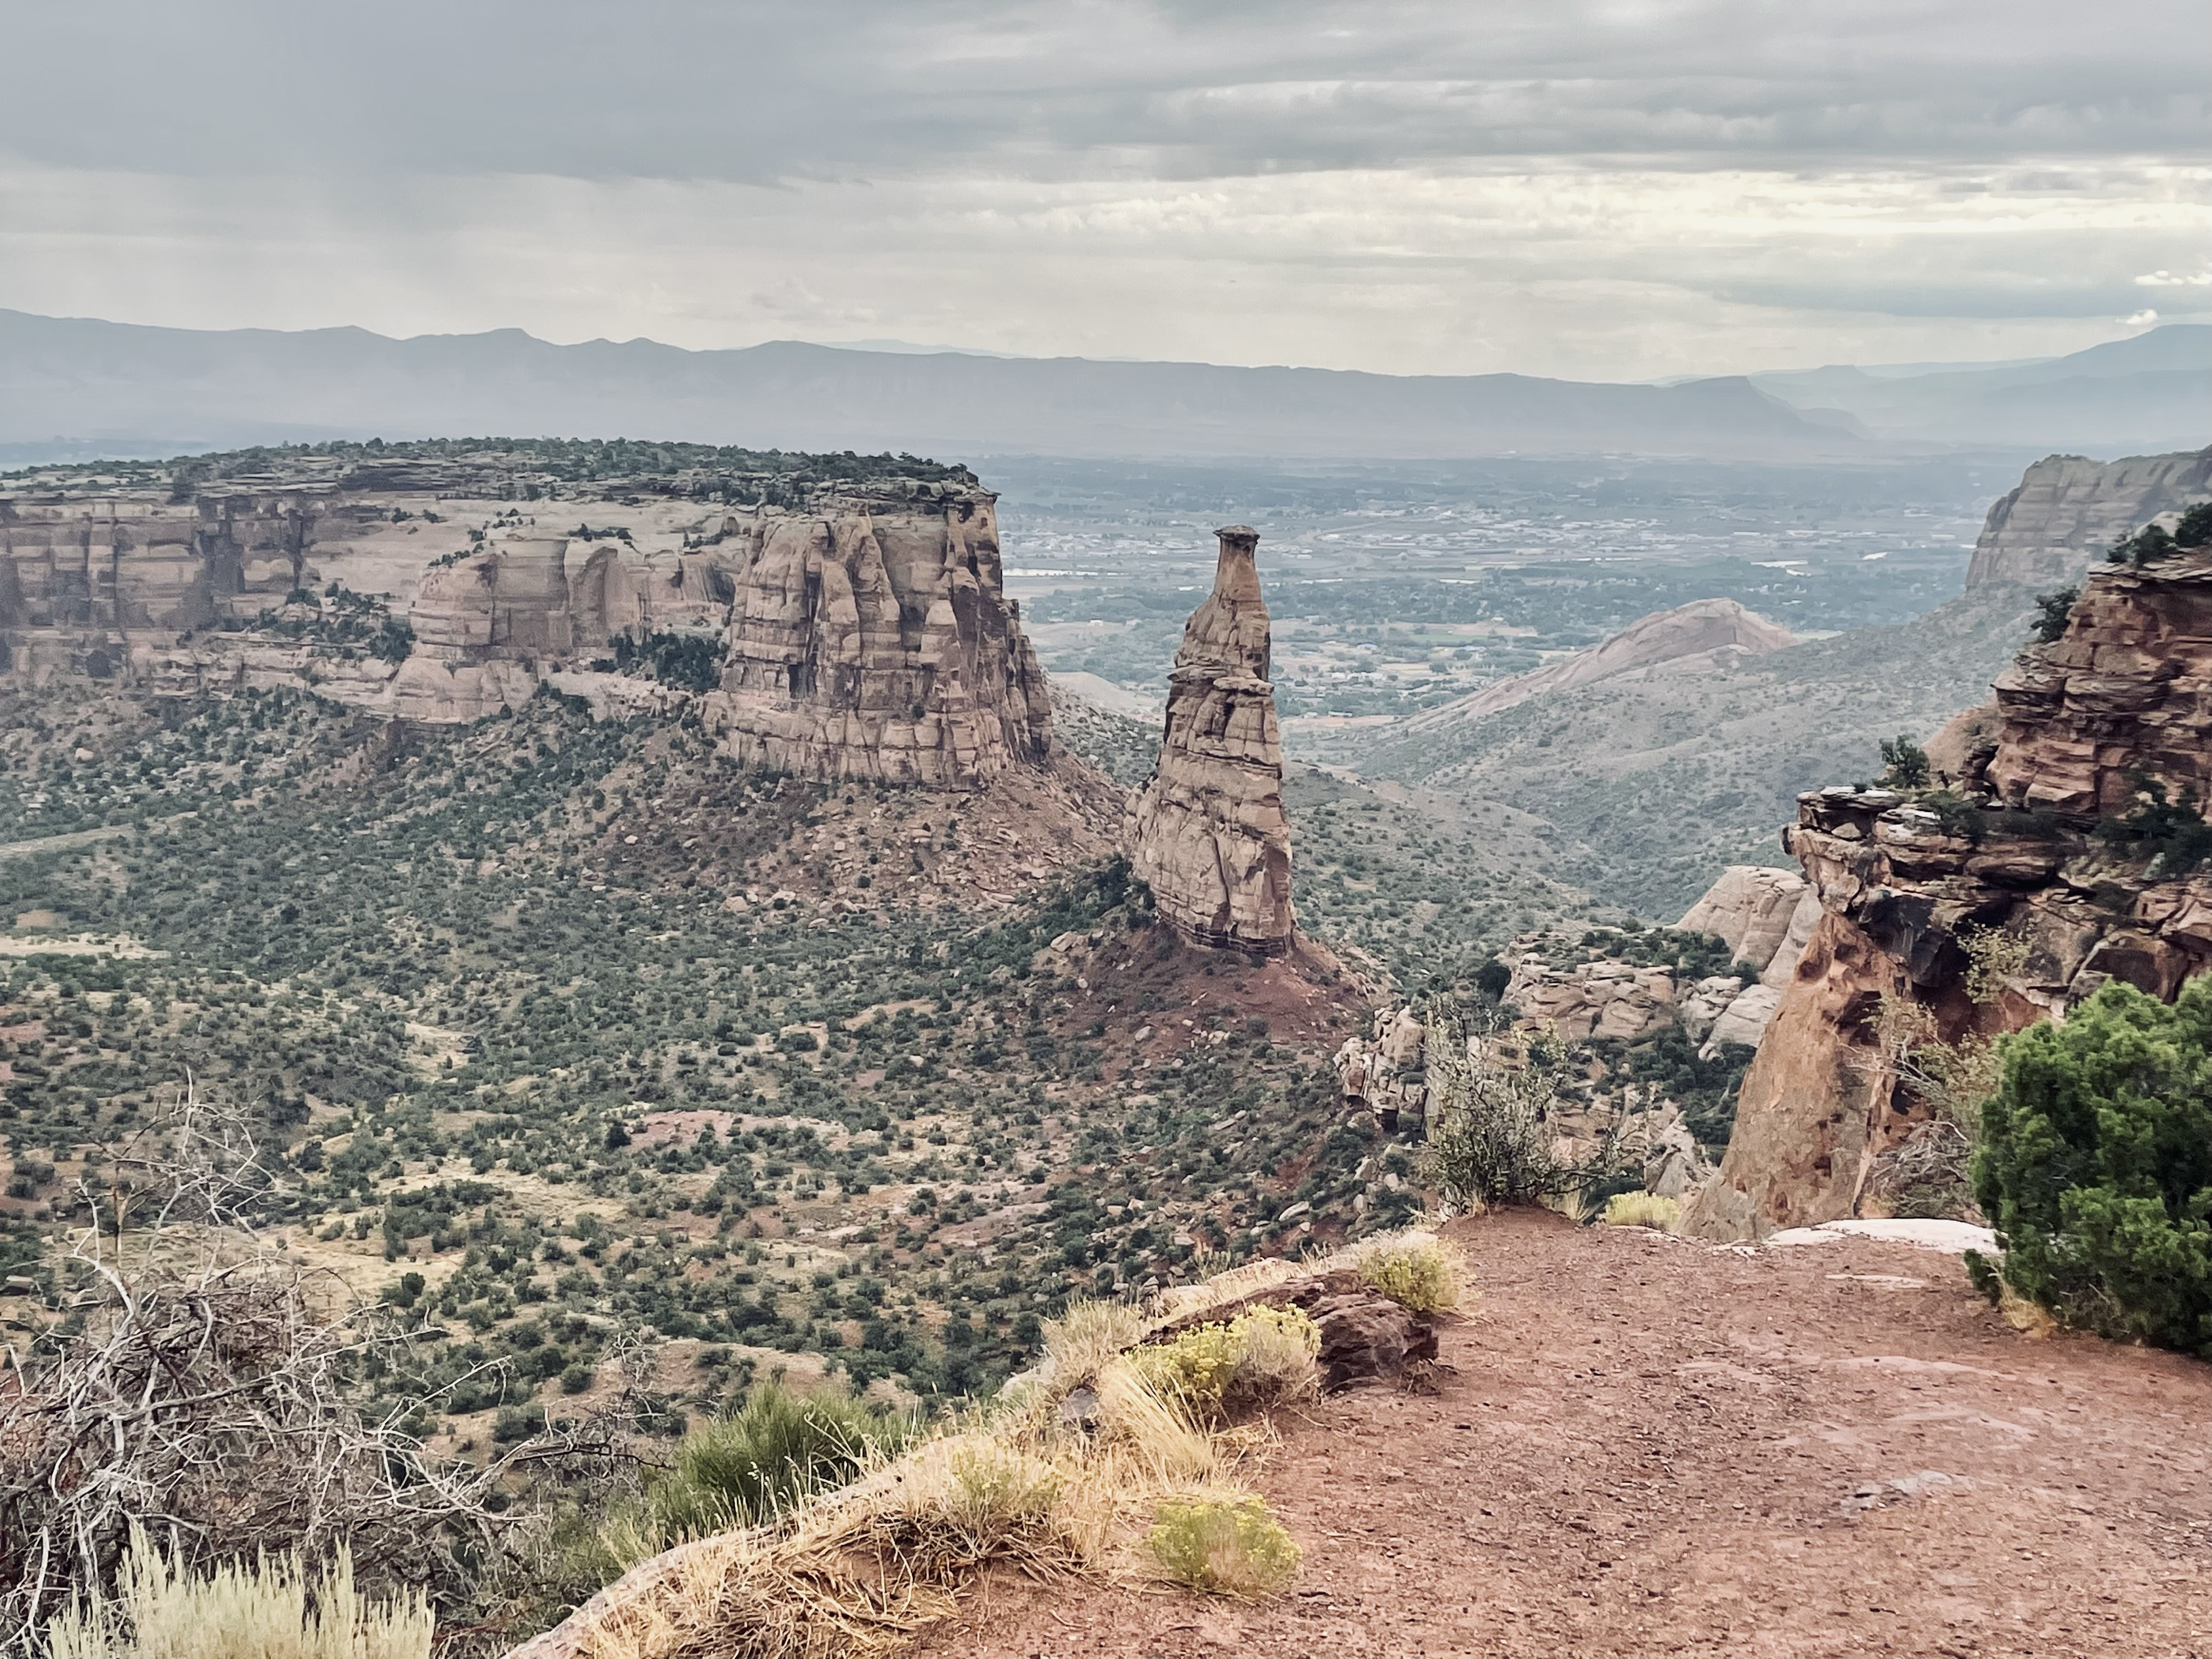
x=1261 y=1355
x=2052 y=610
x=2173 y=835
x=1222 y=1546
x=749 y=1469
x=1904 y=763
x=1418 y=1273
x=2095 y=1165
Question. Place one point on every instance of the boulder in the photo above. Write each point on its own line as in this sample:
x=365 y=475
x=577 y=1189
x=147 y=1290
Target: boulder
x=1370 y=1338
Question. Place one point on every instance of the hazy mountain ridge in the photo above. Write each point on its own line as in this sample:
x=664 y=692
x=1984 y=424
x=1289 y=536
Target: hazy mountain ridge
x=2153 y=391
x=81 y=378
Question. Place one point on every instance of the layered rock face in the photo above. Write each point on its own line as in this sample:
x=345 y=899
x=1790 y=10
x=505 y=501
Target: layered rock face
x=2068 y=510
x=1904 y=892
x=871 y=643
x=859 y=622
x=2125 y=693
x=84 y=582
x=1208 y=833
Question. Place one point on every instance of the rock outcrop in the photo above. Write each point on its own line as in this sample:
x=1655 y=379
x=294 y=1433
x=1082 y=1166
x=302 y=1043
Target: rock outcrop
x=1764 y=915
x=2067 y=510
x=1207 y=833
x=1706 y=635
x=2125 y=694
x=855 y=616
x=1910 y=892
x=871 y=639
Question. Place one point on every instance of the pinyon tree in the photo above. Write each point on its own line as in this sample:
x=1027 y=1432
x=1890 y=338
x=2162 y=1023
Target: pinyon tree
x=2095 y=1167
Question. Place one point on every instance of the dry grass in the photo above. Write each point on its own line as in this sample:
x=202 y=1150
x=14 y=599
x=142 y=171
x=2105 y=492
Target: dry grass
x=1061 y=1476
x=1643 y=1210
x=271 y=1609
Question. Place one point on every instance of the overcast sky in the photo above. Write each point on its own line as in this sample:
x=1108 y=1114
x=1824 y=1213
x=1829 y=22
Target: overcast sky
x=1603 y=190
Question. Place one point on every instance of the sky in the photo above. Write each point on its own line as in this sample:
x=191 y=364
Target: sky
x=1624 y=190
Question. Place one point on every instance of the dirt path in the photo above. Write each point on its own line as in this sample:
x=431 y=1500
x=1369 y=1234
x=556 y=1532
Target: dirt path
x=1658 y=1447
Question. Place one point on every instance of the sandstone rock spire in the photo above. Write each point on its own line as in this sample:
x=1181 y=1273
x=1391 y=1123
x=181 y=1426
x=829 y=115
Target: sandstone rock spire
x=1208 y=833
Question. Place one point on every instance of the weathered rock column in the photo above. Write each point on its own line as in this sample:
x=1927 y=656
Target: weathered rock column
x=1208 y=834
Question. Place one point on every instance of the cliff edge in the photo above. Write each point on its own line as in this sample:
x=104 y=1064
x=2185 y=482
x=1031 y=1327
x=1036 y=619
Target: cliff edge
x=2066 y=856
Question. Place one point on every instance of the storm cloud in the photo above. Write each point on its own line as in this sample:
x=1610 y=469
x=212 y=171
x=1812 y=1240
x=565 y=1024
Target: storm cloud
x=1616 y=190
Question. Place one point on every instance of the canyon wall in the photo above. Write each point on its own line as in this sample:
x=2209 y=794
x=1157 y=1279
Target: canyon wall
x=2068 y=510
x=1207 y=833
x=850 y=625
x=1911 y=889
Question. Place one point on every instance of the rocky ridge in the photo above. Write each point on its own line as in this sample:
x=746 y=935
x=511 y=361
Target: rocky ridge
x=1706 y=634
x=1208 y=833
x=2066 y=509
x=2056 y=866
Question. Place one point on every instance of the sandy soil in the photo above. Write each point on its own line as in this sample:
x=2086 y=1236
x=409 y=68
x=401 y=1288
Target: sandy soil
x=1651 y=1446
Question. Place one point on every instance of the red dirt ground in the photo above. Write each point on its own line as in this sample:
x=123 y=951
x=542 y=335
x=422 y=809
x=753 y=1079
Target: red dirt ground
x=1651 y=1446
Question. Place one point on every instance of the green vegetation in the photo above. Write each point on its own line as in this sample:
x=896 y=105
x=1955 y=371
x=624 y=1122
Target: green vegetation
x=2052 y=611
x=2095 y=1167
x=1421 y=1273
x=2145 y=546
x=1213 y=1371
x=1225 y=1546
x=1904 y=763
x=2170 y=836
x=751 y=1468
x=689 y=662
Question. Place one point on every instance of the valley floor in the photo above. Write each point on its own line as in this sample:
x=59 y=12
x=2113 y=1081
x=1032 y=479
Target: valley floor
x=1652 y=1446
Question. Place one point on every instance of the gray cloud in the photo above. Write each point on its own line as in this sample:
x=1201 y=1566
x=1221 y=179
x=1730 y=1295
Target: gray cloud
x=1601 y=188
x=678 y=88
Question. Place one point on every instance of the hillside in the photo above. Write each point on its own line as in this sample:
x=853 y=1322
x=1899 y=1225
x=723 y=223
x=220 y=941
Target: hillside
x=2150 y=392
x=1651 y=783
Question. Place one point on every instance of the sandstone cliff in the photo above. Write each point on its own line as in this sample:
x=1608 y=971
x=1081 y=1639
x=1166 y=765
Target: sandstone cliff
x=1208 y=833
x=853 y=612
x=873 y=638
x=1706 y=634
x=2067 y=510
x=2027 y=870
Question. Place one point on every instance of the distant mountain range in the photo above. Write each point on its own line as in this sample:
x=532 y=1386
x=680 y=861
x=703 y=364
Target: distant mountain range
x=76 y=387
x=71 y=388
x=2140 y=395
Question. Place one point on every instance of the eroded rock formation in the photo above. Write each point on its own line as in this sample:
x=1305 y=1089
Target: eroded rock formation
x=858 y=624
x=1904 y=890
x=868 y=642
x=1208 y=834
x=2067 y=509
